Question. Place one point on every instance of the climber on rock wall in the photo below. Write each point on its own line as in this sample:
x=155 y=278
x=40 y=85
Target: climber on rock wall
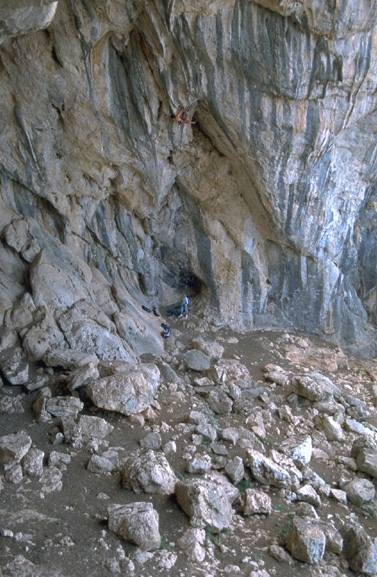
x=182 y=118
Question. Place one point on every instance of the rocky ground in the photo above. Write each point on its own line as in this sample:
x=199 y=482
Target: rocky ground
x=251 y=455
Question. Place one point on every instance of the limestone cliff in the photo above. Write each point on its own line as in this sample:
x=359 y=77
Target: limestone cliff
x=264 y=210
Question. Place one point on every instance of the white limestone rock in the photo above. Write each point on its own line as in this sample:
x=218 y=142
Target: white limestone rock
x=360 y=550
x=81 y=376
x=257 y=503
x=315 y=386
x=360 y=491
x=192 y=543
x=69 y=359
x=129 y=392
x=308 y=494
x=148 y=471
x=332 y=429
x=268 y=472
x=64 y=406
x=104 y=463
x=137 y=523
x=207 y=502
x=235 y=470
x=213 y=350
x=306 y=541
x=14 y=447
x=14 y=366
x=32 y=462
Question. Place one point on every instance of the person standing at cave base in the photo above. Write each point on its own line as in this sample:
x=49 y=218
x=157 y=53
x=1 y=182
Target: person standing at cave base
x=185 y=307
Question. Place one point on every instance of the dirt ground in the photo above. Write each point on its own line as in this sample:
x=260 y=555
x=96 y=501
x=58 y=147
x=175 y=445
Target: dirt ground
x=64 y=533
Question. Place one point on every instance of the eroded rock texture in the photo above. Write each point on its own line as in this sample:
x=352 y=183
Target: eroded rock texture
x=264 y=209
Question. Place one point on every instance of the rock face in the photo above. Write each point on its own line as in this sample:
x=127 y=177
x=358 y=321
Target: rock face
x=263 y=210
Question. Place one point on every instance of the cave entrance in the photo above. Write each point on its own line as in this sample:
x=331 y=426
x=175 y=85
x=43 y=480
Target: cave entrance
x=188 y=281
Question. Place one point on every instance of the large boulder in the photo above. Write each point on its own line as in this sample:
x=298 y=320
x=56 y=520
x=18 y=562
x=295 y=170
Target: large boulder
x=148 y=471
x=14 y=446
x=137 y=523
x=306 y=541
x=267 y=472
x=129 y=391
x=208 y=501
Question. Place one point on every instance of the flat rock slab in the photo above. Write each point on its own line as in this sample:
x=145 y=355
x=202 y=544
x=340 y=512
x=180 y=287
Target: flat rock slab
x=196 y=360
x=315 y=387
x=69 y=359
x=129 y=392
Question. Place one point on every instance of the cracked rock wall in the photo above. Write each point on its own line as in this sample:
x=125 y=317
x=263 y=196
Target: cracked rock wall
x=264 y=210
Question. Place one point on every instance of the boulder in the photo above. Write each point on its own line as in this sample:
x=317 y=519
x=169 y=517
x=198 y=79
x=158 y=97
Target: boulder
x=199 y=465
x=306 y=541
x=213 y=350
x=196 y=360
x=208 y=501
x=104 y=463
x=64 y=406
x=220 y=402
x=9 y=404
x=332 y=429
x=257 y=503
x=301 y=453
x=137 y=523
x=308 y=494
x=267 y=472
x=235 y=470
x=192 y=543
x=227 y=371
x=128 y=392
x=40 y=403
x=32 y=463
x=148 y=471
x=51 y=479
x=14 y=366
x=315 y=387
x=82 y=376
x=151 y=441
x=13 y=447
x=43 y=335
x=69 y=359
x=360 y=550
x=360 y=491
x=84 y=430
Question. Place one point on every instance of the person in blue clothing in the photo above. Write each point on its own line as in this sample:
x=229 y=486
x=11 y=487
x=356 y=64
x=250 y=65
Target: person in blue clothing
x=185 y=307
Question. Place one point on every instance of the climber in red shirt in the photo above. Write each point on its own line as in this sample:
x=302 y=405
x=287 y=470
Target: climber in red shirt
x=181 y=118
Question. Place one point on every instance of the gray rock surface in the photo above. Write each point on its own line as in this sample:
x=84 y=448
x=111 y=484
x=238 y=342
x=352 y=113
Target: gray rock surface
x=197 y=360
x=267 y=472
x=360 y=491
x=257 y=503
x=14 y=446
x=148 y=471
x=207 y=502
x=306 y=541
x=360 y=550
x=137 y=523
x=128 y=392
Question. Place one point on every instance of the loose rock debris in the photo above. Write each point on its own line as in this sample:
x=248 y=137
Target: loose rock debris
x=192 y=464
